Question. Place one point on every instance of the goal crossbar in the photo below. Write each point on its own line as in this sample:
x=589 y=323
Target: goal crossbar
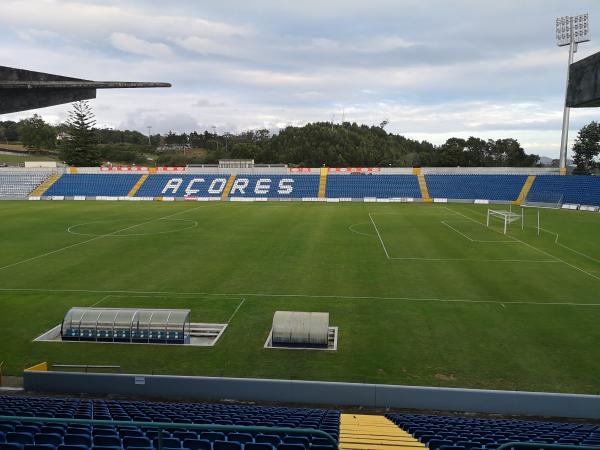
x=507 y=216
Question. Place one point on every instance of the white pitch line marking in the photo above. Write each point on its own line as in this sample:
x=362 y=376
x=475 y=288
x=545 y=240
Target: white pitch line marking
x=535 y=248
x=474 y=240
x=236 y=310
x=94 y=239
x=351 y=228
x=380 y=239
x=451 y=259
x=591 y=258
x=101 y=300
x=312 y=296
x=536 y=261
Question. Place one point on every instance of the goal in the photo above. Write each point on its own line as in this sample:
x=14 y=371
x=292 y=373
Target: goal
x=507 y=216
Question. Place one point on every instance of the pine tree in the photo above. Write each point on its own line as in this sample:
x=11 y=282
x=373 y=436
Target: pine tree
x=587 y=149
x=81 y=148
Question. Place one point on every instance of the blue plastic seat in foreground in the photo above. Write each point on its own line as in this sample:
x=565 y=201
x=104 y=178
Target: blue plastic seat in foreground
x=291 y=447
x=240 y=437
x=197 y=444
x=212 y=436
x=258 y=446
x=39 y=447
x=10 y=446
x=77 y=439
x=267 y=439
x=107 y=441
x=72 y=447
x=19 y=438
x=226 y=445
x=46 y=438
x=130 y=441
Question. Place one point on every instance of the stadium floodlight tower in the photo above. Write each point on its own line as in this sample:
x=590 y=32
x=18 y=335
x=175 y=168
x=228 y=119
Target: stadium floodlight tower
x=570 y=30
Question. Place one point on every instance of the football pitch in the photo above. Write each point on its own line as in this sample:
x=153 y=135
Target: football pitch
x=423 y=294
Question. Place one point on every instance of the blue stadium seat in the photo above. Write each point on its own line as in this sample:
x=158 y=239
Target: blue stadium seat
x=583 y=190
x=197 y=444
x=226 y=445
x=46 y=438
x=285 y=446
x=472 y=187
x=213 y=436
x=267 y=439
x=130 y=441
x=10 y=446
x=240 y=437
x=92 y=185
x=39 y=447
x=372 y=186
x=107 y=441
x=77 y=439
x=19 y=438
x=258 y=446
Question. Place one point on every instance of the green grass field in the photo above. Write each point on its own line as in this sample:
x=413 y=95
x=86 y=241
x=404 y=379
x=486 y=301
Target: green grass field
x=22 y=158
x=423 y=294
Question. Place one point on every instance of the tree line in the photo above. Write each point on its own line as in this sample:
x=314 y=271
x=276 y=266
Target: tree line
x=312 y=145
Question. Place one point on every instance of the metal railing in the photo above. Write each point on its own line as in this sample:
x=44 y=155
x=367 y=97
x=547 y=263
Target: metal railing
x=160 y=426
x=538 y=445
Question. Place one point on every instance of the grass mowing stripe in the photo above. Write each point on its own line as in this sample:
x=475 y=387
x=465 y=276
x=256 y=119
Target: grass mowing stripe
x=33 y=258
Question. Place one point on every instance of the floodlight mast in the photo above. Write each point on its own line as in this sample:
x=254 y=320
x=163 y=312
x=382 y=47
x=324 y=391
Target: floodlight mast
x=570 y=30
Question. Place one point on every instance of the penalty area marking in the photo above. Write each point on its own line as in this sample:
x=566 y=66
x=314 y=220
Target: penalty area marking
x=410 y=258
x=235 y=296
x=531 y=246
x=193 y=224
x=476 y=240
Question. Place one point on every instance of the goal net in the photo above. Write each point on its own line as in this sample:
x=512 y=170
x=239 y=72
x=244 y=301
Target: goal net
x=552 y=200
x=506 y=216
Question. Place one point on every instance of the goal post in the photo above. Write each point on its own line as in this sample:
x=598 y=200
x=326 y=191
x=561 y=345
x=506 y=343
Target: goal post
x=507 y=217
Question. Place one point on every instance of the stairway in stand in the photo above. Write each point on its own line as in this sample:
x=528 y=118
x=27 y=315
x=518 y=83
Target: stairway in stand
x=366 y=432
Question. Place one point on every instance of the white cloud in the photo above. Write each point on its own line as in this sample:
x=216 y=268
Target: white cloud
x=128 y=43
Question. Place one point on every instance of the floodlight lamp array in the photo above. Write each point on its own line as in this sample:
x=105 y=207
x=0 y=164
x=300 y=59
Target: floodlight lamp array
x=581 y=30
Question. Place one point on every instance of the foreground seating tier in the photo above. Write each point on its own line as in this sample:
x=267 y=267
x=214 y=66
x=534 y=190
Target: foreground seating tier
x=457 y=433
x=62 y=436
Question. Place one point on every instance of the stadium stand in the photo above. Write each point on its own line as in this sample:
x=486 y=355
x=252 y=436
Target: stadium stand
x=583 y=190
x=579 y=190
x=275 y=186
x=20 y=184
x=373 y=186
x=204 y=185
x=465 y=433
x=472 y=187
x=214 y=185
x=15 y=435
x=92 y=185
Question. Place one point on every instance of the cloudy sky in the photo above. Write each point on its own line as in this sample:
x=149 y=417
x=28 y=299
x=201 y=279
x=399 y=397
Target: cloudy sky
x=433 y=69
